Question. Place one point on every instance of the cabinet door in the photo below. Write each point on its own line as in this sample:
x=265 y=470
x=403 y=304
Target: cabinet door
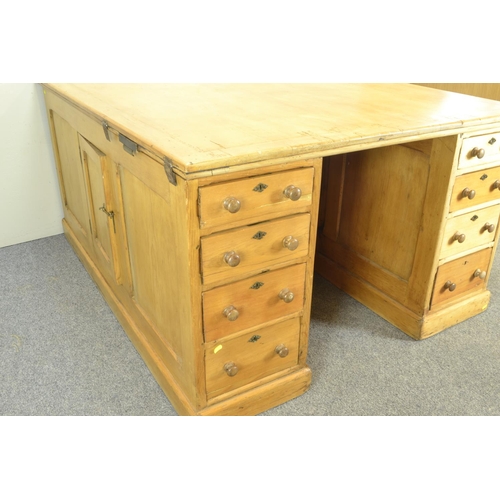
x=96 y=166
x=72 y=179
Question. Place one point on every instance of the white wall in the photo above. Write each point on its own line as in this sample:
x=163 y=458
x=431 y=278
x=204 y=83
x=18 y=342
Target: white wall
x=30 y=206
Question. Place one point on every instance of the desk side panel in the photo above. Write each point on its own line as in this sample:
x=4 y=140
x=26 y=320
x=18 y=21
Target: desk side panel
x=156 y=224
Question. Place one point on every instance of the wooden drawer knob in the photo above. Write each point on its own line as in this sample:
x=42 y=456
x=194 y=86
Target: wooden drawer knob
x=231 y=258
x=232 y=205
x=450 y=286
x=496 y=184
x=231 y=313
x=291 y=243
x=281 y=350
x=231 y=369
x=286 y=295
x=468 y=193
x=292 y=192
x=479 y=274
x=478 y=152
x=460 y=237
x=489 y=227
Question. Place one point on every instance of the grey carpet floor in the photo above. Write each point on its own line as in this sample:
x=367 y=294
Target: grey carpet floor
x=62 y=352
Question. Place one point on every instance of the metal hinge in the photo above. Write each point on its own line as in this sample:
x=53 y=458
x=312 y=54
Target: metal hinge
x=128 y=145
x=105 y=127
x=131 y=147
x=169 y=170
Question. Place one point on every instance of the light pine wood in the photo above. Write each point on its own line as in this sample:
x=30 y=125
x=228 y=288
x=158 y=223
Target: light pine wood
x=208 y=126
x=461 y=273
x=487 y=144
x=254 y=354
x=167 y=327
x=101 y=207
x=258 y=247
x=374 y=185
x=157 y=278
x=472 y=227
x=256 y=299
x=270 y=391
x=71 y=178
x=396 y=279
x=466 y=307
x=268 y=201
x=482 y=182
x=392 y=156
x=388 y=219
x=485 y=90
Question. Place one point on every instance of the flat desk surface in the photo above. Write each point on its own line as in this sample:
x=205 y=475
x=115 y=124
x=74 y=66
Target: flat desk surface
x=206 y=126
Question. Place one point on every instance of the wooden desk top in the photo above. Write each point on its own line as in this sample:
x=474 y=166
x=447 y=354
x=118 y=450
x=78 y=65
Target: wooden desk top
x=205 y=126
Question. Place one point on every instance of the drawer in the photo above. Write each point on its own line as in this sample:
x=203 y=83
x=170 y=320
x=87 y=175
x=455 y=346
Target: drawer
x=475 y=188
x=479 y=150
x=254 y=301
x=239 y=361
x=470 y=230
x=252 y=248
x=259 y=197
x=460 y=276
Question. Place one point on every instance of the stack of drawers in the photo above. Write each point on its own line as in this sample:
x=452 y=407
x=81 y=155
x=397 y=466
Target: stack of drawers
x=254 y=255
x=470 y=234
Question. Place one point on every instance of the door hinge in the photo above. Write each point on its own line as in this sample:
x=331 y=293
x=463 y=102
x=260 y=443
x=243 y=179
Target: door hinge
x=128 y=145
x=105 y=127
x=131 y=147
x=169 y=170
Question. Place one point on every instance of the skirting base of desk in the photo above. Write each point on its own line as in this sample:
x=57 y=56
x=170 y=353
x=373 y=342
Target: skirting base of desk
x=417 y=327
x=256 y=400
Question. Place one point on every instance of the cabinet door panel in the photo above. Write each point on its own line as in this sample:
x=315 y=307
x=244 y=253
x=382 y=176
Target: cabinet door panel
x=382 y=206
x=72 y=179
x=96 y=169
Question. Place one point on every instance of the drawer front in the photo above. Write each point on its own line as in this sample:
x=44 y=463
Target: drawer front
x=479 y=150
x=252 y=248
x=254 y=301
x=470 y=230
x=458 y=277
x=239 y=361
x=256 y=197
x=485 y=185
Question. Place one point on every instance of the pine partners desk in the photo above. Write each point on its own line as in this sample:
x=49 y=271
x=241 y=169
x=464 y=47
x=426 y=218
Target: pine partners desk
x=197 y=209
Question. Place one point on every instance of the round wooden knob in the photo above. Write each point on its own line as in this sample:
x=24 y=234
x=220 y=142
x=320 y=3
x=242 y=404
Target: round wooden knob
x=292 y=192
x=231 y=369
x=231 y=313
x=468 y=193
x=286 y=295
x=496 y=184
x=281 y=350
x=231 y=204
x=478 y=152
x=460 y=237
x=479 y=274
x=231 y=258
x=291 y=243
x=450 y=286
x=489 y=227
